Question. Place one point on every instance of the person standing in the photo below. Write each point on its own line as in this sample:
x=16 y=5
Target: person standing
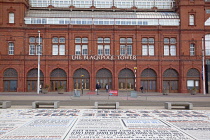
x=107 y=87
x=97 y=87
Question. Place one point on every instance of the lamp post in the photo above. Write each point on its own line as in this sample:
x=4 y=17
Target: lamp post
x=38 y=78
x=82 y=83
x=203 y=68
x=135 y=68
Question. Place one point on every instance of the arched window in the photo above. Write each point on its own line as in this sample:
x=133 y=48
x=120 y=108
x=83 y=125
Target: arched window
x=104 y=76
x=126 y=79
x=58 y=78
x=81 y=79
x=10 y=80
x=193 y=77
x=171 y=80
x=148 y=80
x=32 y=80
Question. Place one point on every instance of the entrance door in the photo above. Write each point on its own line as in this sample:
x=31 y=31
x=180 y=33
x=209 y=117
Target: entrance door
x=10 y=86
x=56 y=84
x=32 y=85
x=171 y=85
x=149 y=85
x=105 y=81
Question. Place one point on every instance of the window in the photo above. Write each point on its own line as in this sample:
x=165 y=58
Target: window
x=207 y=44
x=191 y=19
x=192 y=49
x=11 y=48
x=126 y=46
x=170 y=46
x=58 y=46
x=103 y=46
x=148 y=46
x=81 y=46
x=11 y=18
x=34 y=47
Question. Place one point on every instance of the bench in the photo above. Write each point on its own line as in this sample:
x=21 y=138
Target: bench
x=187 y=105
x=5 y=104
x=107 y=105
x=36 y=104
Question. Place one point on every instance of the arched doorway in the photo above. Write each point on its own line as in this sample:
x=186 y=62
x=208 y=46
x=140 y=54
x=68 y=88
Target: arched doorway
x=58 y=78
x=81 y=79
x=10 y=80
x=193 y=79
x=32 y=80
x=104 y=76
x=126 y=79
x=149 y=80
x=171 y=80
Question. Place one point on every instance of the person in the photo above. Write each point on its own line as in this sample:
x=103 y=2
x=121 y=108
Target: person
x=107 y=87
x=141 y=89
x=40 y=88
x=97 y=87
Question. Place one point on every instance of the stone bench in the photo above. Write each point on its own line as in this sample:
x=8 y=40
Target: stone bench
x=36 y=104
x=107 y=105
x=5 y=104
x=187 y=105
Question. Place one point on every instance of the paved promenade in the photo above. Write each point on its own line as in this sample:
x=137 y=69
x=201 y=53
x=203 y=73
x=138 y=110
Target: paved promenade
x=87 y=99
x=139 y=118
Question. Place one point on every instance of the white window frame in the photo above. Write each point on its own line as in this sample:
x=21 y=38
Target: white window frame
x=103 y=46
x=207 y=44
x=11 y=17
x=148 y=46
x=81 y=46
x=11 y=48
x=58 y=46
x=170 y=46
x=34 y=47
x=191 y=19
x=126 y=46
x=192 y=49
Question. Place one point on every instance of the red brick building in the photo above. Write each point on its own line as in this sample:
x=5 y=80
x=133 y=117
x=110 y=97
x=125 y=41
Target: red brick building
x=125 y=44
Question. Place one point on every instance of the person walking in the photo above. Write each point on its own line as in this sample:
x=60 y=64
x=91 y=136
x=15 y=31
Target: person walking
x=141 y=89
x=97 y=87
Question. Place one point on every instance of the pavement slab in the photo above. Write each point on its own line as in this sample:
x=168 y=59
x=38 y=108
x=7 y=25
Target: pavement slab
x=104 y=124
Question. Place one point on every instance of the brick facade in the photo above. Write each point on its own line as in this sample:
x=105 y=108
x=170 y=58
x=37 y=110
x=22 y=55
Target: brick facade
x=185 y=34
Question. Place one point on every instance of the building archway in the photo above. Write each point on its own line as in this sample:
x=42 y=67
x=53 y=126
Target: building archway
x=58 y=78
x=10 y=80
x=126 y=79
x=149 y=80
x=171 y=80
x=193 y=79
x=32 y=80
x=104 y=76
x=81 y=79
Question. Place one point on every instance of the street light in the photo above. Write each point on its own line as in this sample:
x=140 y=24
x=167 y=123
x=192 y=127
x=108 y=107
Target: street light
x=38 y=78
x=135 y=68
x=82 y=83
x=203 y=68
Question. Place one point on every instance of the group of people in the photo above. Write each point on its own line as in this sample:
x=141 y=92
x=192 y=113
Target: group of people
x=98 y=86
